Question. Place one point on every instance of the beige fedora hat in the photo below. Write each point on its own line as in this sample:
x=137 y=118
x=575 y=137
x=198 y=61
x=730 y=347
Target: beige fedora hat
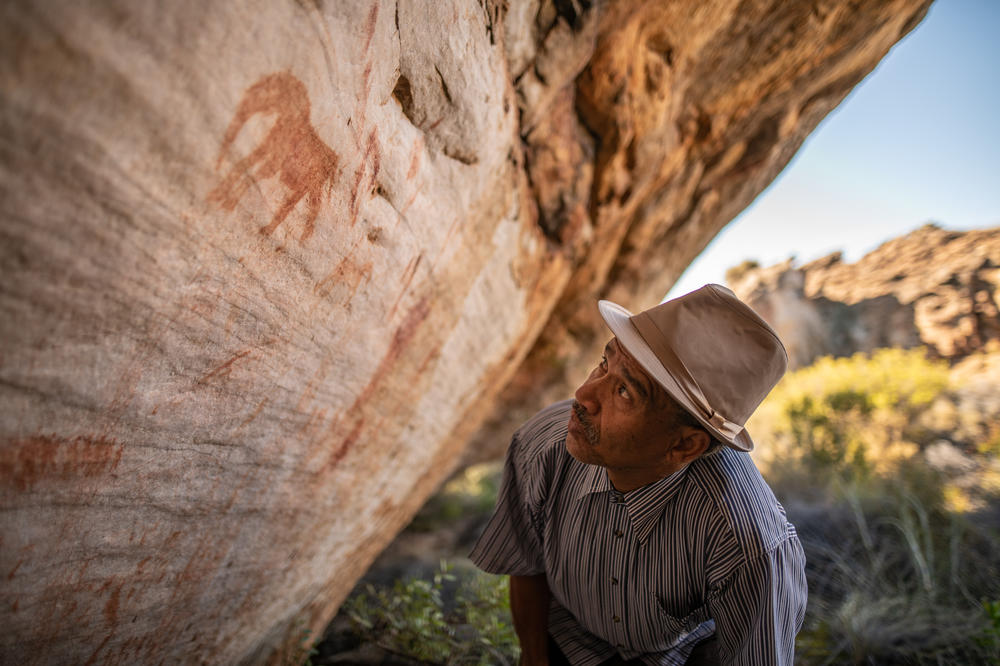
x=713 y=354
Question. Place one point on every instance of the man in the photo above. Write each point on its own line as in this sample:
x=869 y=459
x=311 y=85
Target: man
x=633 y=525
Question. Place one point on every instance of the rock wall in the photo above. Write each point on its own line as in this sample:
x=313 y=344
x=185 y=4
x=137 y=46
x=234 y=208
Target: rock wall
x=934 y=288
x=267 y=267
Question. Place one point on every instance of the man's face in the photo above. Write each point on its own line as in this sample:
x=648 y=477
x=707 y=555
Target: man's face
x=620 y=418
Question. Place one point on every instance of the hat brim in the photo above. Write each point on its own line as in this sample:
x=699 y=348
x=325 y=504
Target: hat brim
x=619 y=321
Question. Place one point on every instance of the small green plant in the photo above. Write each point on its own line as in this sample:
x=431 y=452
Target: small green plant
x=414 y=618
x=990 y=637
x=305 y=648
x=485 y=600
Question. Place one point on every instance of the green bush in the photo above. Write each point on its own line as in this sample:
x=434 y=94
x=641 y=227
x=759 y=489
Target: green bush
x=896 y=575
x=413 y=618
x=849 y=416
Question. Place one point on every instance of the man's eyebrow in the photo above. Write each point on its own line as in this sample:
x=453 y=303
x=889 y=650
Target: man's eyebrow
x=636 y=384
x=639 y=386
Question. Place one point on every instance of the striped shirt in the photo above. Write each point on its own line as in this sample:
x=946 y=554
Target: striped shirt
x=649 y=573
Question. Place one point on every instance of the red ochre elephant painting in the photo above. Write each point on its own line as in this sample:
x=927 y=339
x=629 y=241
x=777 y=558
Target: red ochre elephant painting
x=291 y=150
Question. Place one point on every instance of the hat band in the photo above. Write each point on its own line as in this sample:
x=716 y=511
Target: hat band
x=655 y=340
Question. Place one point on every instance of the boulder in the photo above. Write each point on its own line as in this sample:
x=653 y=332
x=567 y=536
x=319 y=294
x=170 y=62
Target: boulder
x=267 y=267
x=933 y=287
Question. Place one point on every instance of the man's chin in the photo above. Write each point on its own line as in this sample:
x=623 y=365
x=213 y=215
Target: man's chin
x=577 y=446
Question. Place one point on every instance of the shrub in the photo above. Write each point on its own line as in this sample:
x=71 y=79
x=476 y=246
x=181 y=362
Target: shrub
x=848 y=416
x=414 y=618
x=896 y=570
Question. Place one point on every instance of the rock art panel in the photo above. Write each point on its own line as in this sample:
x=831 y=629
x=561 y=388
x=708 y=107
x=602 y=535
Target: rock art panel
x=292 y=151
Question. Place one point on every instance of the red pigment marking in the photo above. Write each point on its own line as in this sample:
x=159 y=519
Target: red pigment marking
x=292 y=150
x=449 y=235
x=111 y=608
x=17 y=566
x=349 y=273
x=254 y=415
x=93 y=657
x=414 y=161
x=401 y=338
x=224 y=368
x=409 y=202
x=370 y=155
x=83 y=569
x=25 y=462
x=339 y=453
x=370 y=25
x=371 y=152
x=431 y=356
x=367 y=80
x=411 y=270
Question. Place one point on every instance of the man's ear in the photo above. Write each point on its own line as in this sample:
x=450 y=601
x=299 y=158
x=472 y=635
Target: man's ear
x=693 y=443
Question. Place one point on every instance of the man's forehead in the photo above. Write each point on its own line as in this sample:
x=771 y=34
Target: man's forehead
x=614 y=345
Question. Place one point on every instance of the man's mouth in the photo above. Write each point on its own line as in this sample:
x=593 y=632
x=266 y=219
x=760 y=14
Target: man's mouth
x=580 y=421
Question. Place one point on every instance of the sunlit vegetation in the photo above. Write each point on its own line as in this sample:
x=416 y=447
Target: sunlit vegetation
x=890 y=473
x=903 y=555
x=453 y=618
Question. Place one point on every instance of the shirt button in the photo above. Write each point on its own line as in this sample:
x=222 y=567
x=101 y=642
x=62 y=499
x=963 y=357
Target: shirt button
x=619 y=534
x=616 y=619
x=614 y=581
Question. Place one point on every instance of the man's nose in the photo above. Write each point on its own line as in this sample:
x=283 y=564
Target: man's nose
x=586 y=394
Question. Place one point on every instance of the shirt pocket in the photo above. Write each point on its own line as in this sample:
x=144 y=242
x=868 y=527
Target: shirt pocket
x=680 y=626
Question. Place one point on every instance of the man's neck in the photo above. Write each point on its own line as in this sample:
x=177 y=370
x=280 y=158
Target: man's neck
x=627 y=480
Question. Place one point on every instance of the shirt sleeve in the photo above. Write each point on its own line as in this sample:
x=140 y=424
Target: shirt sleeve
x=512 y=541
x=760 y=607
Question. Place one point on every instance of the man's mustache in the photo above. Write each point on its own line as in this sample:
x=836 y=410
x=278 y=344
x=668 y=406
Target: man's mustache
x=589 y=431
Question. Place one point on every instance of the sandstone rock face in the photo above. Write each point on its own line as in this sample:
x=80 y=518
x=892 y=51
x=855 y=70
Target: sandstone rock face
x=266 y=268
x=934 y=288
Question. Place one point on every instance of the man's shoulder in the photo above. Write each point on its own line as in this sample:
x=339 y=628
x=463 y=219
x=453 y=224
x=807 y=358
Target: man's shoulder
x=731 y=481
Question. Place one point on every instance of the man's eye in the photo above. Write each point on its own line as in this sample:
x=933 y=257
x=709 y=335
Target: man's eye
x=623 y=392
x=604 y=362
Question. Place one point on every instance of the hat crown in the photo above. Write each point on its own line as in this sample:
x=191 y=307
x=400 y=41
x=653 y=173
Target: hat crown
x=733 y=355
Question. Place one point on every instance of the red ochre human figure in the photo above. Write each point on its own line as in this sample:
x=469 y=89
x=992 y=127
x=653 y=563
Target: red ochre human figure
x=291 y=150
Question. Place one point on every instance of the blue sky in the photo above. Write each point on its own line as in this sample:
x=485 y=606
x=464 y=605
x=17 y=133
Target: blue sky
x=918 y=140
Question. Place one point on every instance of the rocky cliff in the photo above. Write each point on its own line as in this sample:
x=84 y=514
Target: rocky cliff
x=933 y=287
x=267 y=267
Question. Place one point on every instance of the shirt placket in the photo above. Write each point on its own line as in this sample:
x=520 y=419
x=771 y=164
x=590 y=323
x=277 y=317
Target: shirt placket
x=620 y=538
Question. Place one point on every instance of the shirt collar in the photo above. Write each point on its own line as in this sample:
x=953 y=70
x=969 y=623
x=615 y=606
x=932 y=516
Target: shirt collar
x=644 y=505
